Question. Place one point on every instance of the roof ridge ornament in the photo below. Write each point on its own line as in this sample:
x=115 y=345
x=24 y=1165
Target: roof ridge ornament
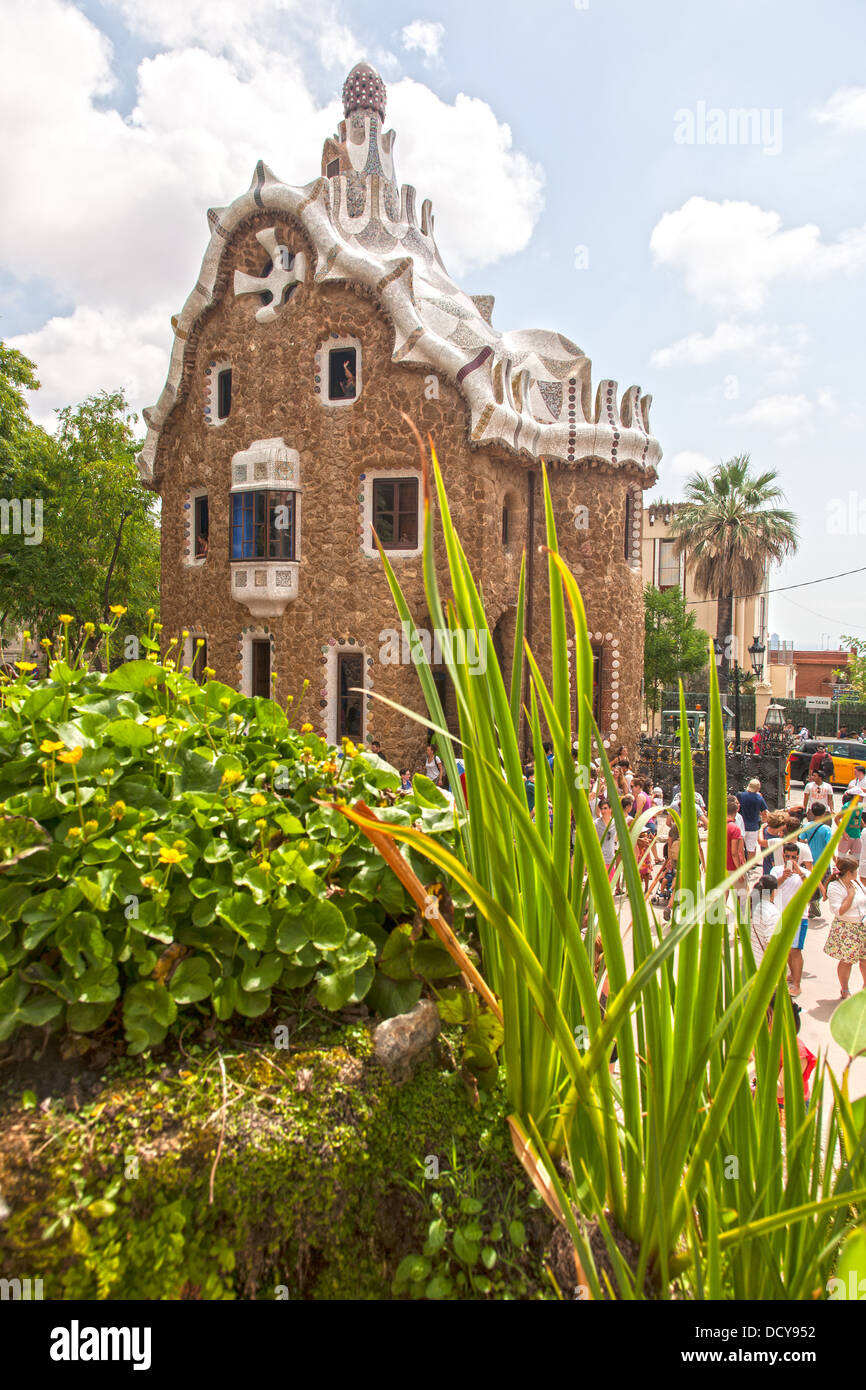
x=364 y=90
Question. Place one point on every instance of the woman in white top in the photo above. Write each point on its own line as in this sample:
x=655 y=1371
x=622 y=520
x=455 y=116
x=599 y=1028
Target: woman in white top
x=433 y=767
x=846 y=940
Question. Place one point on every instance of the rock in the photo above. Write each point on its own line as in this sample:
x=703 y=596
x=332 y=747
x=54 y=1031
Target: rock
x=399 y=1042
x=5 y=1209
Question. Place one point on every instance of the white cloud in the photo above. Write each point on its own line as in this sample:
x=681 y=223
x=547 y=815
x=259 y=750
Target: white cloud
x=93 y=349
x=689 y=461
x=423 y=37
x=778 y=352
x=111 y=210
x=730 y=253
x=845 y=108
x=699 y=348
x=487 y=197
x=778 y=411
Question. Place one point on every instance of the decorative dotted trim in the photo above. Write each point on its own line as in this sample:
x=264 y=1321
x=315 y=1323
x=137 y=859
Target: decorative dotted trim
x=211 y=394
x=245 y=655
x=328 y=690
x=636 y=494
x=189 y=556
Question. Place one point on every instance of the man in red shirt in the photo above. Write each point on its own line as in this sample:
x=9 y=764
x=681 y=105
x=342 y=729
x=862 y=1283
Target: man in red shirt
x=735 y=850
x=817 y=759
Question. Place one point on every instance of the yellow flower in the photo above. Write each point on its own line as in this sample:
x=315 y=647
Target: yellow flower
x=25 y=636
x=179 y=844
x=89 y=629
x=209 y=672
x=157 y=627
x=237 y=719
x=26 y=665
x=170 y=856
x=182 y=723
x=117 y=609
x=258 y=800
x=156 y=722
x=199 y=641
x=168 y=664
x=148 y=881
x=73 y=832
x=108 y=772
x=306 y=728
x=231 y=777
x=65 y=618
x=261 y=824
x=349 y=748
x=91 y=825
x=47 y=746
x=225 y=702
x=46 y=643
x=72 y=756
x=149 y=837
x=185 y=633
x=151 y=613
x=118 y=810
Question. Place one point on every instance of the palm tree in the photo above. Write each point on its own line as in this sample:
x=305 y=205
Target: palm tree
x=731 y=532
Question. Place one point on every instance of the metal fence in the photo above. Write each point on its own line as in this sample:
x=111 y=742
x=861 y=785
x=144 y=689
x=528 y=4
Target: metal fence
x=826 y=722
x=661 y=763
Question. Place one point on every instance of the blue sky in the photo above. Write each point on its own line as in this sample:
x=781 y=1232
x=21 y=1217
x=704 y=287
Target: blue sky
x=724 y=278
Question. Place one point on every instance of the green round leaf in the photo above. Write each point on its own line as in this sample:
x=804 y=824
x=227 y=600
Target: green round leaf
x=848 y=1024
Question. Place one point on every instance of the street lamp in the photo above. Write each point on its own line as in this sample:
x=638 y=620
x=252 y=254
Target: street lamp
x=756 y=652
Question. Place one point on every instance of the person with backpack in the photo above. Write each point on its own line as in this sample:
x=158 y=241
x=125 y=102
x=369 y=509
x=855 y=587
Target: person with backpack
x=816 y=833
x=434 y=768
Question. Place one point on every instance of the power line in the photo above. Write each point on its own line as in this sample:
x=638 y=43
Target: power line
x=783 y=588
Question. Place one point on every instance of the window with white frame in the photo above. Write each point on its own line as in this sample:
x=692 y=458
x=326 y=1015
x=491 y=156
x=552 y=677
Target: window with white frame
x=392 y=505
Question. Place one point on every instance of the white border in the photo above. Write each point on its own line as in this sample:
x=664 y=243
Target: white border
x=211 y=395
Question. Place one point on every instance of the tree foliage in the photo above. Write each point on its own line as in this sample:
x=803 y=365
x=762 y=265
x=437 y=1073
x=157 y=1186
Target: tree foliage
x=99 y=542
x=674 y=646
x=732 y=530
x=854 y=674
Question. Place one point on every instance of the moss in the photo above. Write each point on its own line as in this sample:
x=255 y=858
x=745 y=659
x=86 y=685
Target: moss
x=316 y=1192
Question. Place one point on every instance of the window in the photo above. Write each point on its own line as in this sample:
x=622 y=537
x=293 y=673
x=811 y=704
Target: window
x=263 y=525
x=224 y=393
x=342 y=374
x=669 y=565
x=333 y=168
x=350 y=702
x=261 y=668
x=395 y=512
x=199 y=657
x=505 y=520
x=596 y=685
x=201 y=526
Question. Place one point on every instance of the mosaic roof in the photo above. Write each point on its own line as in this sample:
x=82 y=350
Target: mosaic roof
x=529 y=391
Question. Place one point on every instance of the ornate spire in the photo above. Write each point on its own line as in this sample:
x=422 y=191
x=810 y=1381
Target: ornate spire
x=364 y=90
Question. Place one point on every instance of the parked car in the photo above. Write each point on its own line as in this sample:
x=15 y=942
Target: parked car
x=846 y=754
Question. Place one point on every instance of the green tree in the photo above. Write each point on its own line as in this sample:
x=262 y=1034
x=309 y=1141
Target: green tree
x=99 y=542
x=674 y=645
x=854 y=674
x=731 y=529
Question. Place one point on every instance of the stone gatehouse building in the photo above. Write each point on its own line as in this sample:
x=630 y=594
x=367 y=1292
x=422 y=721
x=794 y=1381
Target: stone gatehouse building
x=320 y=316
